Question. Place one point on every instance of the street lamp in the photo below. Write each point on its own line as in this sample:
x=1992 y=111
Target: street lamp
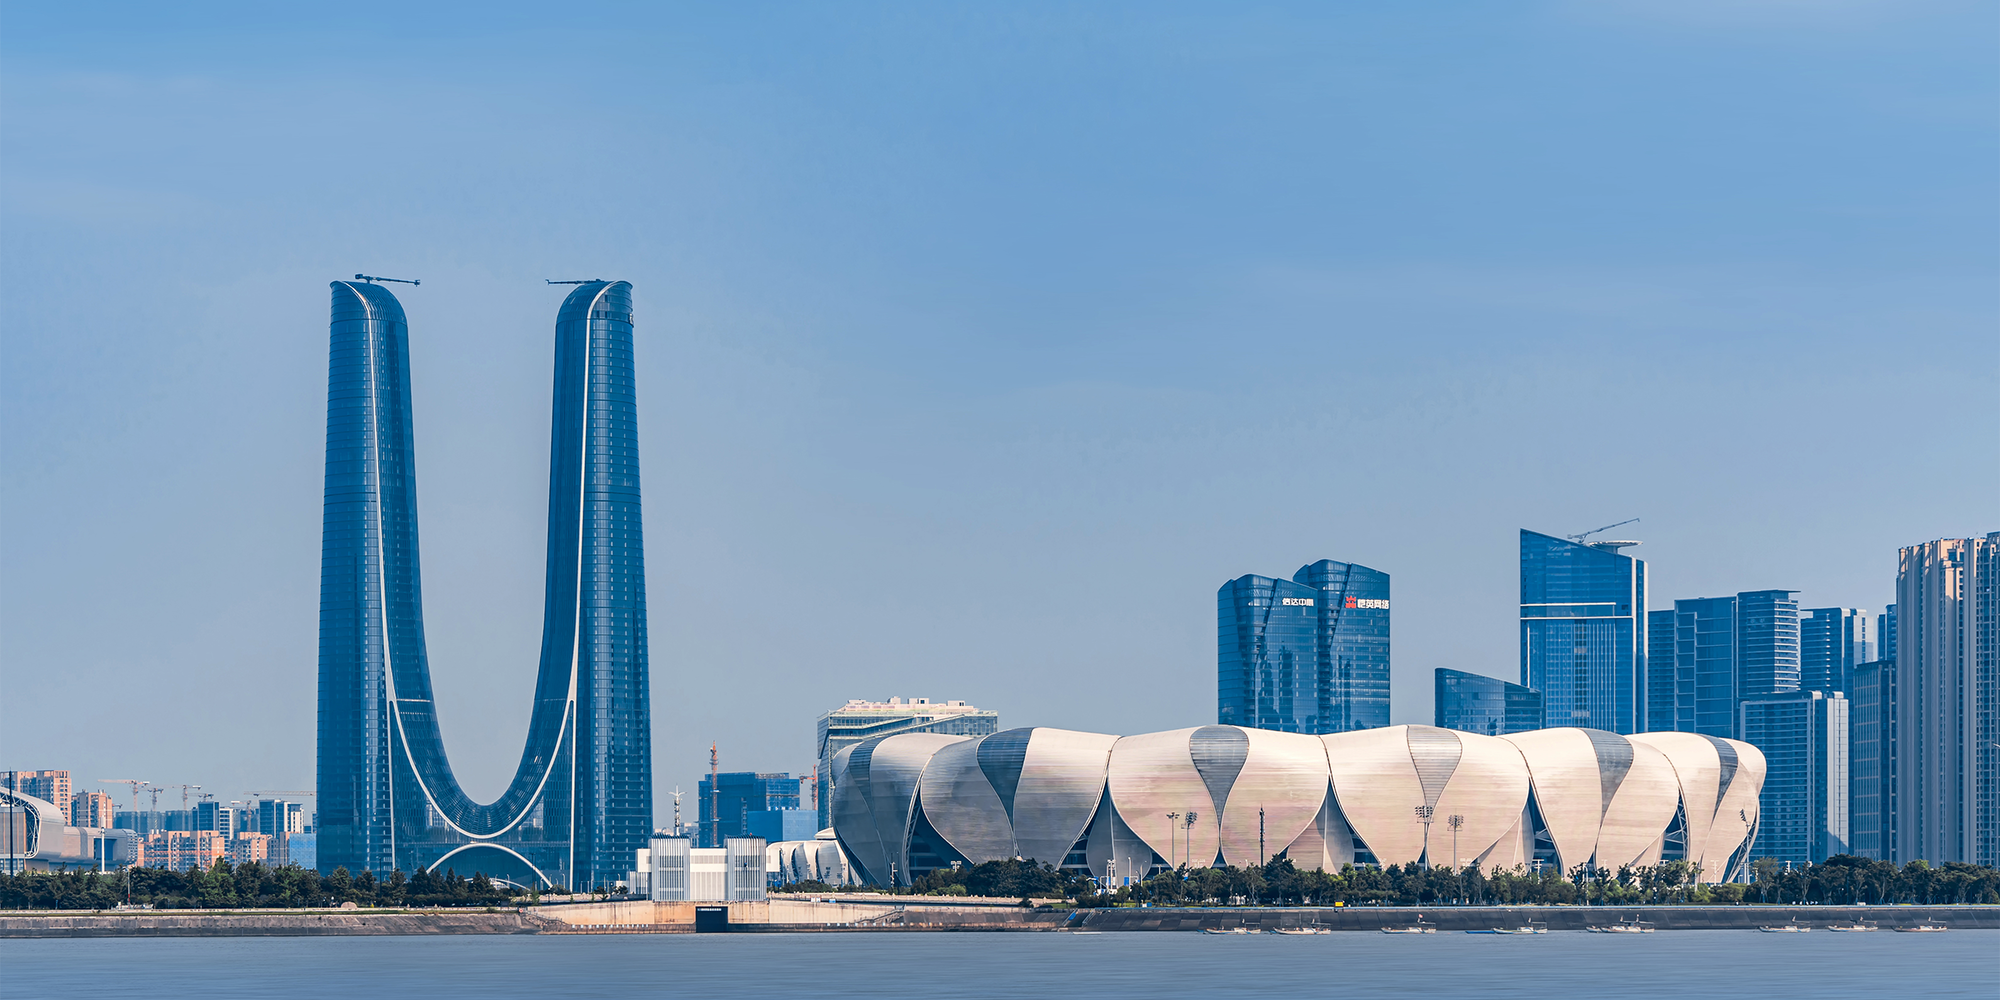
x=1456 y=822
x=1424 y=816
x=1172 y=832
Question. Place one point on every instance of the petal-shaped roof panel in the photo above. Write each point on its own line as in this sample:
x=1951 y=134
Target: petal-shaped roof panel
x=1060 y=786
x=1378 y=789
x=962 y=805
x=1327 y=843
x=1219 y=753
x=1281 y=784
x=1738 y=815
x=1488 y=791
x=853 y=819
x=893 y=771
x=1698 y=770
x=1641 y=810
x=1154 y=775
x=1568 y=788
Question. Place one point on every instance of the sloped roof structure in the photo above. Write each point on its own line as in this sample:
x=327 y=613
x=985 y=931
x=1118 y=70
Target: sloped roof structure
x=1227 y=795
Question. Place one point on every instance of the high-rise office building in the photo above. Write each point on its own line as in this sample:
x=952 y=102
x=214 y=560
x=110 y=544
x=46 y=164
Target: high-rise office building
x=1871 y=756
x=1583 y=643
x=1476 y=703
x=1947 y=706
x=580 y=801
x=1305 y=655
x=1723 y=649
x=1803 y=807
x=732 y=799
x=1832 y=641
x=1885 y=634
x=860 y=720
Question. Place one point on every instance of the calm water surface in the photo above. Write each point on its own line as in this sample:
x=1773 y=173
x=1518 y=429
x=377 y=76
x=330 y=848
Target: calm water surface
x=1677 y=965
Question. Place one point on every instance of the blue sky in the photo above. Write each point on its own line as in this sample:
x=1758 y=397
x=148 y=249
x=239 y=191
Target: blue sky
x=978 y=344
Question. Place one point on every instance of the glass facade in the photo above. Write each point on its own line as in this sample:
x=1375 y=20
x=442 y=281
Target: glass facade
x=1305 y=655
x=1710 y=653
x=580 y=801
x=1476 y=703
x=729 y=799
x=1831 y=642
x=1583 y=645
x=1871 y=760
x=1804 y=802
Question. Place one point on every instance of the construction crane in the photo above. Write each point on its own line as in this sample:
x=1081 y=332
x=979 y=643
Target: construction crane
x=280 y=791
x=1578 y=539
x=377 y=277
x=136 y=785
x=185 y=789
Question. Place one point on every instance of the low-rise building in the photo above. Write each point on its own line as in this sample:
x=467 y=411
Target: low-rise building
x=672 y=868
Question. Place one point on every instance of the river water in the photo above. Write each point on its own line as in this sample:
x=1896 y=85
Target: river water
x=1671 y=964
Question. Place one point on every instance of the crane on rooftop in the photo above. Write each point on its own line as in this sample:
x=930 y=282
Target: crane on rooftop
x=1579 y=539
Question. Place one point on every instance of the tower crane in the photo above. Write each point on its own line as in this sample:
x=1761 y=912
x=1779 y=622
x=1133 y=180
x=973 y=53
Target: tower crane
x=1578 y=539
x=135 y=785
x=185 y=789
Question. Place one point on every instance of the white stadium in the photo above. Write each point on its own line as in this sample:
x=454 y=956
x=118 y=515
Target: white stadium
x=1224 y=795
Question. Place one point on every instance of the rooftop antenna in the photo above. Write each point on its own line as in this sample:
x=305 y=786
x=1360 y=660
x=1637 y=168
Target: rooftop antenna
x=1578 y=539
x=585 y=281
x=714 y=795
x=677 y=811
x=377 y=277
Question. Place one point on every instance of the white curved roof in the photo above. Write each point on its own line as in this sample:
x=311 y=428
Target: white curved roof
x=1600 y=798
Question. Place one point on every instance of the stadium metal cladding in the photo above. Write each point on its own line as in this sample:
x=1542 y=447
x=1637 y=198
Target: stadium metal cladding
x=580 y=801
x=1225 y=795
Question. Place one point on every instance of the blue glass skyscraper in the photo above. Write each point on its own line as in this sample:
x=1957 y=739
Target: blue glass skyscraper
x=1476 y=703
x=1709 y=653
x=580 y=802
x=1583 y=643
x=1305 y=655
x=1832 y=642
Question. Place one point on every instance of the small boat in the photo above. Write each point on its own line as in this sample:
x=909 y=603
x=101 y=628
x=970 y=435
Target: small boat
x=1926 y=927
x=1417 y=928
x=1623 y=927
x=1530 y=928
x=1791 y=928
x=1857 y=927
x=1225 y=930
x=1301 y=930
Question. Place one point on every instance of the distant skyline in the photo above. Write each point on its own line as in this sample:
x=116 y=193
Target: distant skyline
x=976 y=347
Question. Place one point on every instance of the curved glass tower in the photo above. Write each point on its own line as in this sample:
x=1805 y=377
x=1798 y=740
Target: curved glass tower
x=580 y=803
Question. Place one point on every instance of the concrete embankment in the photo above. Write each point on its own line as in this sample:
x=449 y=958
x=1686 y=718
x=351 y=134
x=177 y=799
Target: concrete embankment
x=1555 y=918
x=884 y=914
x=239 y=923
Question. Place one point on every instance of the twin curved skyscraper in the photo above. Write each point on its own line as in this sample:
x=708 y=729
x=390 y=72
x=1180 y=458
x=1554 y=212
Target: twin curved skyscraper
x=580 y=802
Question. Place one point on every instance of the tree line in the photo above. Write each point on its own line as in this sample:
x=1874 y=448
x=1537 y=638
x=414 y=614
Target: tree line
x=251 y=885
x=1841 y=880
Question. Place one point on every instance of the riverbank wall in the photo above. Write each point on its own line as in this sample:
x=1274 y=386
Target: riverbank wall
x=931 y=914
